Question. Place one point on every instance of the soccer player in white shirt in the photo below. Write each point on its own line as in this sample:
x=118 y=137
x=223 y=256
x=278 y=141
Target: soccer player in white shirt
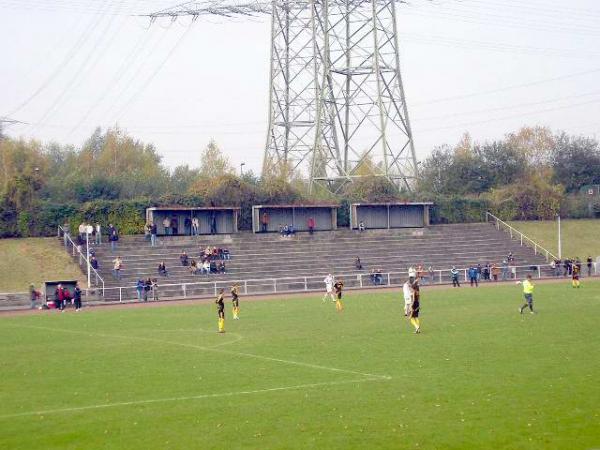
x=408 y=297
x=329 y=281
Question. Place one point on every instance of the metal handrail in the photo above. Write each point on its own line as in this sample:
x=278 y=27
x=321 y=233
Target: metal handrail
x=510 y=271
x=81 y=255
x=523 y=237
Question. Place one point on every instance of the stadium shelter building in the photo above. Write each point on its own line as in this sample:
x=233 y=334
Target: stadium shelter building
x=390 y=215
x=225 y=218
x=324 y=215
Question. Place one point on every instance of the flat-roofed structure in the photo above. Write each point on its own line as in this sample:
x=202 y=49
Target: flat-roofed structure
x=390 y=215
x=274 y=216
x=178 y=220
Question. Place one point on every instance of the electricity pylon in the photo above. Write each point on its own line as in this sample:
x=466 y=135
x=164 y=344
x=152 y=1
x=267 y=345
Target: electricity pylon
x=337 y=103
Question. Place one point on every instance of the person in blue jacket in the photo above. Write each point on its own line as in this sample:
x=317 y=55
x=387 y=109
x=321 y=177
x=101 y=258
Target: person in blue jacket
x=473 y=276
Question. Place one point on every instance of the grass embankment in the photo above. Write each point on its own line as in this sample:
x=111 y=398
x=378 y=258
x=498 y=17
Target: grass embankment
x=295 y=374
x=33 y=260
x=579 y=237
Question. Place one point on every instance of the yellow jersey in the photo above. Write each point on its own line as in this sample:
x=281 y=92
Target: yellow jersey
x=527 y=287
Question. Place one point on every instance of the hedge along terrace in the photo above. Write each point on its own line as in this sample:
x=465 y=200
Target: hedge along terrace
x=530 y=174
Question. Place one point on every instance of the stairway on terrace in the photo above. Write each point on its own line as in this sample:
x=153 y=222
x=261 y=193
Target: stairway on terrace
x=268 y=256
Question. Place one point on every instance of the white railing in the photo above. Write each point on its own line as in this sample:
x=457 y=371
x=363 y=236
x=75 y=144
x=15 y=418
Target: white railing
x=523 y=238
x=314 y=283
x=75 y=251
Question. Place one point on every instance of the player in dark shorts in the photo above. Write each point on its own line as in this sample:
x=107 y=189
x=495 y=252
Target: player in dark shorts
x=415 y=307
x=235 y=301
x=221 y=310
x=338 y=286
x=575 y=275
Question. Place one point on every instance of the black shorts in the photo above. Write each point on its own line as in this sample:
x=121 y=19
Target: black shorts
x=235 y=301
x=528 y=298
x=221 y=311
x=414 y=314
x=339 y=295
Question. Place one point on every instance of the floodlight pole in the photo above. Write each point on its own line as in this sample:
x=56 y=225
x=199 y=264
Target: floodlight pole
x=87 y=251
x=559 y=239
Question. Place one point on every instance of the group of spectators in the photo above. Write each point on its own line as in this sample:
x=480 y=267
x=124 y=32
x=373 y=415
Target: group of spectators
x=211 y=260
x=146 y=287
x=87 y=232
x=568 y=265
x=63 y=297
x=285 y=230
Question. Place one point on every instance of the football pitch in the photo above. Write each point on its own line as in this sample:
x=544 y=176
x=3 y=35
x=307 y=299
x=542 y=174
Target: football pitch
x=294 y=373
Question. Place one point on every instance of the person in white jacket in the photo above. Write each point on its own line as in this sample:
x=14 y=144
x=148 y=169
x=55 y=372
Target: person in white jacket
x=329 y=282
x=408 y=296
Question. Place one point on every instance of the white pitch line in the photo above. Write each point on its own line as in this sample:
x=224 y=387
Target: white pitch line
x=192 y=397
x=215 y=350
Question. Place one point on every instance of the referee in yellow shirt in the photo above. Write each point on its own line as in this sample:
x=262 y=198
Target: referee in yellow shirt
x=528 y=294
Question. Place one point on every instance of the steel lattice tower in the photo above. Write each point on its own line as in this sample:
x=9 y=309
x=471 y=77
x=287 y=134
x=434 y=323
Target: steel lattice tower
x=337 y=101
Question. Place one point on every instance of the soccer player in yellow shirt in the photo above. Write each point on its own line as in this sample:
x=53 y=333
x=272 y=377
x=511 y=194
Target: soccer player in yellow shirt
x=235 y=300
x=528 y=294
x=575 y=276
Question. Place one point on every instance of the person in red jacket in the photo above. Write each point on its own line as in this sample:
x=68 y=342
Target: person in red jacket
x=311 y=225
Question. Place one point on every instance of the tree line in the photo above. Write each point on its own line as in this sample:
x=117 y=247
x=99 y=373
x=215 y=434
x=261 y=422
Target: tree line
x=530 y=174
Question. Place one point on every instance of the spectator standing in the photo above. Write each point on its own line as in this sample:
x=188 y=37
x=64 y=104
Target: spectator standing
x=264 y=222
x=175 y=226
x=412 y=275
x=94 y=263
x=311 y=225
x=167 y=225
x=473 y=278
x=361 y=226
x=504 y=269
x=153 y=232
x=187 y=226
x=33 y=295
x=495 y=272
x=431 y=274
x=66 y=233
x=195 y=226
x=82 y=228
x=98 y=234
x=213 y=223
x=147 y=288
x=454 y=275
x=590 y=263
x=77 y=297
x=139 y=287
x=479 y=272
x=155 y=289
x=117 y=266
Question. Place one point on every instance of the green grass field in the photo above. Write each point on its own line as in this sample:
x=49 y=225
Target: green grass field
x=579 y=237
x=293 y=373
x=33 y=260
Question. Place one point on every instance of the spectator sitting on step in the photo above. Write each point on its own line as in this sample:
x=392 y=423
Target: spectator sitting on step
x=162 y=269
x=510 y=258
x=183 y=258
x=358 y=264
x=193 y=267
x=221 y=267
x=220 y=253
x=213 y=267
x=226 y=254
x=207 y=251
x=291 y=230
x=215 y=253
x=361 y=226
x=285 y=231
x=206 y=266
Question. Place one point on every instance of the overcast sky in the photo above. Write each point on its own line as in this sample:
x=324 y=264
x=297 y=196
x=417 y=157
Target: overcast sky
x=483 y=66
